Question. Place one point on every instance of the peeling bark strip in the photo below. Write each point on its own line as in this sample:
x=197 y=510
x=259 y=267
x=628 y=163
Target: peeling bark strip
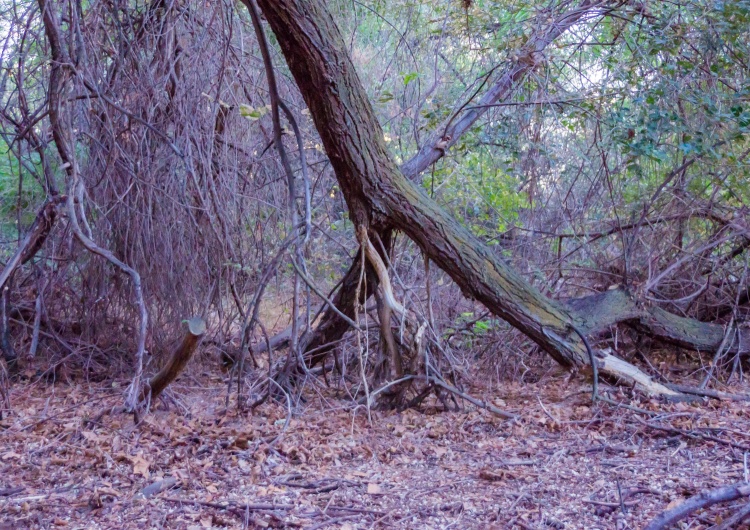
x=377 y=193
x=320 y=341
x=380 y=197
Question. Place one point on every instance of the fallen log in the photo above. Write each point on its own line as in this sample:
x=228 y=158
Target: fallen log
x=597 y=312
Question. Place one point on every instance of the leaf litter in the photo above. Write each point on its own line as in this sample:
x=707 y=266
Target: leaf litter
x=565 y=463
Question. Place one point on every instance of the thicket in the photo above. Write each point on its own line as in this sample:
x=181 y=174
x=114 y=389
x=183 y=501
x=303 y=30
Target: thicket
x=141 y=150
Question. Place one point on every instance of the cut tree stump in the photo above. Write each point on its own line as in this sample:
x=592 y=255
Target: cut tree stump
x=169 y=372
x=177 y=361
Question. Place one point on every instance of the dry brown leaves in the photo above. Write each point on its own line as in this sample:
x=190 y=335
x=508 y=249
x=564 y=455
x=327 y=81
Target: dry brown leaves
x=565 y=464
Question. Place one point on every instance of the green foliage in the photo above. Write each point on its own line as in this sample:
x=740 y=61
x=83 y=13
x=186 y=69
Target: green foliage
x=478 y=193
x=633 y=97
x=13 y=206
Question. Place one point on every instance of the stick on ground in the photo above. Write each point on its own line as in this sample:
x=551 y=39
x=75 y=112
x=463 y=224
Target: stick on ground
x=703 y=499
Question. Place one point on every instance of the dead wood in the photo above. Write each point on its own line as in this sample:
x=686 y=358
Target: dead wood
x=38 y=232
x=6 y=345
x=704 y=499
x=597 y=312
x=237 y=507
x=331 y=326
x=13 y=490
x=691 y=434
x=706 y=392
x=177 y=361
x=743 y=514
x=380 y=197
x=4 y=398
x=169 y=372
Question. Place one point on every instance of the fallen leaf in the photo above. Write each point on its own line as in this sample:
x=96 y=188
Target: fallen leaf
x=141 y=466
x=91 y=436
x=494 y=476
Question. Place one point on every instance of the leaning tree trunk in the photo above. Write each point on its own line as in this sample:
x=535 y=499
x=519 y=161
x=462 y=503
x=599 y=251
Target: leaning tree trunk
x=318 y=342
x=380 y=197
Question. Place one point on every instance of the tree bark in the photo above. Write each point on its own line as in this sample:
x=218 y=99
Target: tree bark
x=34 y=240
x=703 y=499
x=380 y=197
x=28 y=248
x=177 y=361
x=331 y=327
x=597 y=312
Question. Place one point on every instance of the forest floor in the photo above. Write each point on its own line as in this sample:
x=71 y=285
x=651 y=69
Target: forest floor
x=565 y=463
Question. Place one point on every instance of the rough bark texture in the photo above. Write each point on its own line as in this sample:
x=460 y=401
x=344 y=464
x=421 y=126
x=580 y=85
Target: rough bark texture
x=332 y=327
x=696 y=502
x=598 y=312
x=34 y=240
x=379 y=196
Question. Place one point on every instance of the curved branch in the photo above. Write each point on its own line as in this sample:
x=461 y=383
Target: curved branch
x=67 y=155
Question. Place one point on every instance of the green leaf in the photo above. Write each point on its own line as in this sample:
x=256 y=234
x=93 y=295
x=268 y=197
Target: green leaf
x=408 y=78
x=252 y=113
